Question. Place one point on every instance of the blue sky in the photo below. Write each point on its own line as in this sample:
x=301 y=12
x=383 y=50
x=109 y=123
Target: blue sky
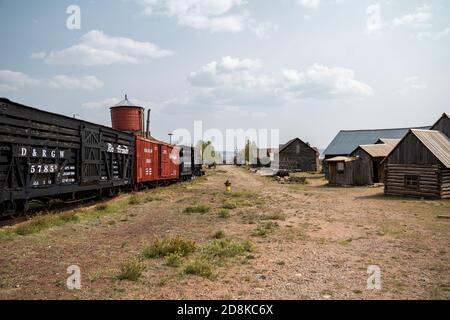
x=307 y=67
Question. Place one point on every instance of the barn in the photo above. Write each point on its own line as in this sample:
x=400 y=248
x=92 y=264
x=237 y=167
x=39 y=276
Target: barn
x=372 y=155
x=443 y=124
x=298 y=155
x=419 y=165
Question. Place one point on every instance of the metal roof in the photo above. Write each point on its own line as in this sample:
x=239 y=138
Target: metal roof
x=348 y=140
x=126 y=103
x=437 y=142
x=345 y=159
x=379 y=150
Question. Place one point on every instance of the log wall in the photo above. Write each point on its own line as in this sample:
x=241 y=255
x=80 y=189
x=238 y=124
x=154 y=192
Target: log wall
x=429 y=180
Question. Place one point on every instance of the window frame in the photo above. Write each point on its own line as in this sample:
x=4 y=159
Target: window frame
x=412 y=182
x=340 y=171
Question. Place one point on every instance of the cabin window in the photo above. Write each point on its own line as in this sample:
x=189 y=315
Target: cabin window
x=412 y=182
x=340 y=167
x=297 y=149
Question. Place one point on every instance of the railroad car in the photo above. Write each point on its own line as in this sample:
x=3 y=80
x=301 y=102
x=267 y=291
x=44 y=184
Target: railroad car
x=156 y=162
x=191 y=164
x=44 y=155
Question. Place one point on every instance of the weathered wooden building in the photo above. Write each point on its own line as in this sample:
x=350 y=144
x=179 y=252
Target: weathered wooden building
x=348 y=171
x=443 y=124
x=348 y=140
x=419 y=165
x=298 y=155
x=372 y=155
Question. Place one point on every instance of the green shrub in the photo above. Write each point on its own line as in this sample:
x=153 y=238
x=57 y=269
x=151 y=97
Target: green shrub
x=166 y=246
x=264 y=229
x=229 y=205
x=174 y=260
x=131 y=270
x=199 y=267
x=224 y=248
x=224 y=213
x=202 y=209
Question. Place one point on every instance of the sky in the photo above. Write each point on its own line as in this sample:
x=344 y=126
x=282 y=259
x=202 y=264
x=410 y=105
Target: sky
x=306 y=67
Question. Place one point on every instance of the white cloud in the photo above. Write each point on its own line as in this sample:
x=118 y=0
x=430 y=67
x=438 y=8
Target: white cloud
x=413 y=83
x=321 y=82
x=238 y=82
x=417 y=19
x=14 y=81
x=212 y=15
x=97 y=48
x=434 y=36
x=310 y=4
x=38 y=55
x=101 y=104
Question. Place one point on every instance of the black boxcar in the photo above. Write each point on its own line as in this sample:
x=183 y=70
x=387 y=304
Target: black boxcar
x=191 y=163
x=44 y=155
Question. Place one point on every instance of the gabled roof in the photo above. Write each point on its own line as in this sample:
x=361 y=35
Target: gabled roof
x=437 y=142
x=284 y=146
x=348 y=140
x=445 y=115
x=378 y=150
x=388 y=141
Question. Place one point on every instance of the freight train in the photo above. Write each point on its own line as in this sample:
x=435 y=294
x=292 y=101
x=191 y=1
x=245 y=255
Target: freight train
x=46 y=156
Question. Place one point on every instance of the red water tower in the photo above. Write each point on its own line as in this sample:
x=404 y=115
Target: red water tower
x=125 y=116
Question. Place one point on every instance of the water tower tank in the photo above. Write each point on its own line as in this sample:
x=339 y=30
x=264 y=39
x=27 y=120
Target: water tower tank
x=125 y=116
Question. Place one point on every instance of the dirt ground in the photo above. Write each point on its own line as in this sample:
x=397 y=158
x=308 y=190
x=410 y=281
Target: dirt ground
x=322 y=241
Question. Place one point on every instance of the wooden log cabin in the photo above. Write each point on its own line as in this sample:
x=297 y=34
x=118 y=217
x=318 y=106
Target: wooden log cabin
x=372 y=155
x=419 y=165
x=298 y=155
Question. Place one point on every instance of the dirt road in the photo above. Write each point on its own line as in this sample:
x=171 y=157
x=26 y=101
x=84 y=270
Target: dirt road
x=308 y=242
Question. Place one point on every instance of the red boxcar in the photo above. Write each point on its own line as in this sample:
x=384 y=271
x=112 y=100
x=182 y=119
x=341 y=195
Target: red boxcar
x=156 y=162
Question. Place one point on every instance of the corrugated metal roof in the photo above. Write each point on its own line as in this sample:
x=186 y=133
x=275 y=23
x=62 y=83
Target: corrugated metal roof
x=341 y=158
x=437 y=142
x=379 y=150
x=126 y=103
x=348 y=140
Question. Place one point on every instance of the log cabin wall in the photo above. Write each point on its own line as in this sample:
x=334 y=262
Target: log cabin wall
x=412 y=170
x=299 y=156
x=445 y=183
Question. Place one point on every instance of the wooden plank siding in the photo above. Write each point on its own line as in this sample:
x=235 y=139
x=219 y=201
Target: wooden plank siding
x=443 y=125
x=299 y=156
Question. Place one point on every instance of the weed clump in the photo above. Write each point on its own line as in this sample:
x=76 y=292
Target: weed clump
x=224 y=213
x=167 y=246
x=225 y=248
x=131 y=270
x=263 y=229
x=199 y=267
x=202 y=209
x=174 y=260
